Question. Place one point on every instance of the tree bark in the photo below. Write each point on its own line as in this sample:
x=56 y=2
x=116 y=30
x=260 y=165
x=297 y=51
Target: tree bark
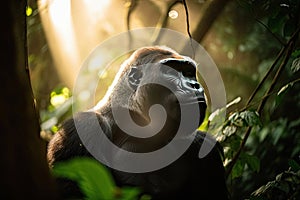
x=25 y=173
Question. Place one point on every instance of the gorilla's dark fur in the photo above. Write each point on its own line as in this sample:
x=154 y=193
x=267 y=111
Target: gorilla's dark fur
x=189 y=177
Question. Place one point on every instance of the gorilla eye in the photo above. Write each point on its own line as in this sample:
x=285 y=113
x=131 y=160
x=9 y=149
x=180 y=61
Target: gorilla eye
x=134 y=77
x=188 y=74
x=168 y=70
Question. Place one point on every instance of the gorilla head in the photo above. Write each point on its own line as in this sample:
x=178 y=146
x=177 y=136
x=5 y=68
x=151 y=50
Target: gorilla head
x=155 y=76
x=151 y=76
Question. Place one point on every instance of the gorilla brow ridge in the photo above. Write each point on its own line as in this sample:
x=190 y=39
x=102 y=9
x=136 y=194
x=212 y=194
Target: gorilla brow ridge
x=151 y=54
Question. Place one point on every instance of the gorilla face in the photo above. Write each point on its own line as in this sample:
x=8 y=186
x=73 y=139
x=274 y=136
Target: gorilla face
x=163 y=77
x=170 y=79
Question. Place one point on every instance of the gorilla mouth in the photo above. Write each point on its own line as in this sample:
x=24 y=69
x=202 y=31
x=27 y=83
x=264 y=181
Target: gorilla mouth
x=195 y=98
x=193 y=101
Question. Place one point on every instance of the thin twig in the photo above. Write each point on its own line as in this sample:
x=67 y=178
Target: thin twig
x=273 y=34
x=281 y=67
x=187 y=18
x=188 y=26
x=268 y=95
x=271 y=68
x=279 y=55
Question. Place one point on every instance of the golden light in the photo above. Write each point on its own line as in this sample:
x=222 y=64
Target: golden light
x=70 y=28
x=173 y=14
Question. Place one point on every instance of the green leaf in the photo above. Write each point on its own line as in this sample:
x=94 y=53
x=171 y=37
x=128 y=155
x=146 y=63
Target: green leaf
x=238 y=169
x=252 y=161
x=93 y=179
x=233 y=141
x=216 y=121
x=295 y=65
x=217 y=118
x=204 y=125
x=276 y=24
x=129 y=193
x=281 y=93
x=294 y=165
x=236 y=119
x=229 y=130
x=284 y=89
x=279 y=130
x=251 y=117
x=296 y=53
x=145 y=197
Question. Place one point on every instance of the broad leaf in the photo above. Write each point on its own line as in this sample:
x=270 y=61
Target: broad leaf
x=93 y=178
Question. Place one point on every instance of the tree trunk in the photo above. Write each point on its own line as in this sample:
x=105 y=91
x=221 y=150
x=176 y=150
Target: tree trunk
x=25 y=173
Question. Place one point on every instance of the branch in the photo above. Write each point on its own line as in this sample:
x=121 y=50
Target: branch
x=279 y=55
x=275 y=79
x=187 y=18
x=271 y=68
x=288 y=49
x=273 y=34
x=131 y=6
x=210 y=14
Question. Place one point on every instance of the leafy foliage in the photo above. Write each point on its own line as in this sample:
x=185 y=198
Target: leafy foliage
x=93 y=179
x=230 y=136
x=285 y=186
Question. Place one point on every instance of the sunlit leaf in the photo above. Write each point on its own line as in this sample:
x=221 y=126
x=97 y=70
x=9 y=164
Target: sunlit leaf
x=54 y=129
x=251 y=117
x=59 y=96
x=281 y=93
x=58 y=100
x=295 y=65
x=204 y=125
x=284 y=89
x=229 y=130
x=28 y=11
x=217 y=118
x=263 y=133
x=236 y=119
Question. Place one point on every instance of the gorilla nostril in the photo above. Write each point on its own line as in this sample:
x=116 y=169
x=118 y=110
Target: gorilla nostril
x=195 y=85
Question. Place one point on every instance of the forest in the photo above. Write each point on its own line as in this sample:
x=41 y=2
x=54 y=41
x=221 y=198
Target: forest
x=61 y=56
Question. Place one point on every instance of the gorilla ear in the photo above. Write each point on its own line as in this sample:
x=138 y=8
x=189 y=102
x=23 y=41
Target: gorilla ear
x=134 y=77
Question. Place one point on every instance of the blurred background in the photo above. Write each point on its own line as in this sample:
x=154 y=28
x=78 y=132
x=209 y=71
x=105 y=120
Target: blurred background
x=244 y=38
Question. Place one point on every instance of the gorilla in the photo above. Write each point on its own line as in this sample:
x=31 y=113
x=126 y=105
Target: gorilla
x=135 y=89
